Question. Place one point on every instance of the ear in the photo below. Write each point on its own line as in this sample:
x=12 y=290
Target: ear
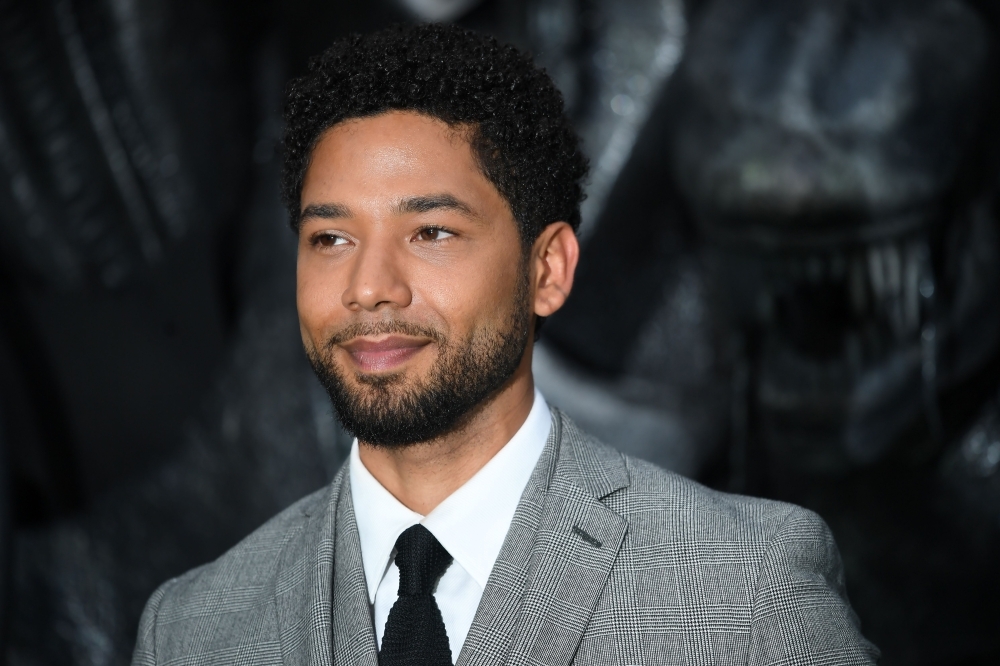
x=555 y=255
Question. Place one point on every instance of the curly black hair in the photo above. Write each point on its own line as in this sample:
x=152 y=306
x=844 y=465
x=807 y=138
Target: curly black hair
x=516 y=124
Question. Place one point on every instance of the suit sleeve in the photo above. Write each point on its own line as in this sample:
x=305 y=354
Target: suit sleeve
x=800 y=609
x=145 y=645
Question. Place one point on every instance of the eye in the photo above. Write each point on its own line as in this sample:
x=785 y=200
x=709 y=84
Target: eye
x=433 y=234
x=327 y=239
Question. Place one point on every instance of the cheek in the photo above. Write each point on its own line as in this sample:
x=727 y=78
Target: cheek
x=317 y=297
x=469 y=295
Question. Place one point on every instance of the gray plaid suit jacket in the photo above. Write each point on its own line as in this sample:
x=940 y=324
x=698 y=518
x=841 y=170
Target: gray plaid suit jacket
x=609 y=560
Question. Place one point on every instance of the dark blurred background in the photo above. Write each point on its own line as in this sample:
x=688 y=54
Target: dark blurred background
x=789 y=286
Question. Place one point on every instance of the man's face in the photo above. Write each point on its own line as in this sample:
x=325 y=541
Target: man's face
x=414 y=296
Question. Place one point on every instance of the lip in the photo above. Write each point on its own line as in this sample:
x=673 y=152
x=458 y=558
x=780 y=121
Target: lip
x=373 y=355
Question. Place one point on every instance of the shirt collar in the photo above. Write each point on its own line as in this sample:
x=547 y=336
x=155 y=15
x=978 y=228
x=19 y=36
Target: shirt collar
x=471 y=523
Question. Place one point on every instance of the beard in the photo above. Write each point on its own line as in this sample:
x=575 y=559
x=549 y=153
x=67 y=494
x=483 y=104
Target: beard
x=389 y=411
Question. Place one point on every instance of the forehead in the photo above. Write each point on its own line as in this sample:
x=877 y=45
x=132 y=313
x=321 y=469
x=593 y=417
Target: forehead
x=397 y=149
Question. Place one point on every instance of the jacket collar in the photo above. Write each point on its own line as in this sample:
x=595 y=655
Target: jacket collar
x=598 y=468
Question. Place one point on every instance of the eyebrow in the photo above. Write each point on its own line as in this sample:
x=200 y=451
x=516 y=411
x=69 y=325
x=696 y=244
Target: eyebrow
x=409 y=205
x=425 y=204
x=328 y=211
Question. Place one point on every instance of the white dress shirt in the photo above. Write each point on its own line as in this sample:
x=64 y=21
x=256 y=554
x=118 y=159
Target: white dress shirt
x=471 y=524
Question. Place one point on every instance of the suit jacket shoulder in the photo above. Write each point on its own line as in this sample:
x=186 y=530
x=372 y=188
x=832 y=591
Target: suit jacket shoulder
x=694 y=510
x=241 y=586
x=713 y=577
x=657 y=501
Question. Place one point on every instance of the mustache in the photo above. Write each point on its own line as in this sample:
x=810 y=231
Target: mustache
x=384 y=327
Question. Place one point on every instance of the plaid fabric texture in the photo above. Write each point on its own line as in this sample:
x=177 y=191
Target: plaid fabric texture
x=609 y=560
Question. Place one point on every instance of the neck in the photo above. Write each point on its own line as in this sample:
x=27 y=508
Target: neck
x=424 y=474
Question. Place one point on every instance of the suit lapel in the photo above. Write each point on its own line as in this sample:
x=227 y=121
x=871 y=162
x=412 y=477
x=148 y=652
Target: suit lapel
x=489 y=638
x=353 y=629
x=556 y=559
x=302 y=587
x=323 y=613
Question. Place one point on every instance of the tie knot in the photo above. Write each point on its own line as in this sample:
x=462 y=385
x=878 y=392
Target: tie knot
x=421 y=560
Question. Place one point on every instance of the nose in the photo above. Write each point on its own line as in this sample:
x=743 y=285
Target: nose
x=377 y=279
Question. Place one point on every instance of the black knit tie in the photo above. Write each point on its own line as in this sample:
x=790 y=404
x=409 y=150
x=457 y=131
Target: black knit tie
x=414 y=633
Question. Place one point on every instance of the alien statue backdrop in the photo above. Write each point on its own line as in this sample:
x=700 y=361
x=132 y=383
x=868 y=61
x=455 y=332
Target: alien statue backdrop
x=789 y=286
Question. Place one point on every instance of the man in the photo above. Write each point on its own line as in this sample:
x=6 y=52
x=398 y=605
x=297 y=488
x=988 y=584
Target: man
x=434 y=183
